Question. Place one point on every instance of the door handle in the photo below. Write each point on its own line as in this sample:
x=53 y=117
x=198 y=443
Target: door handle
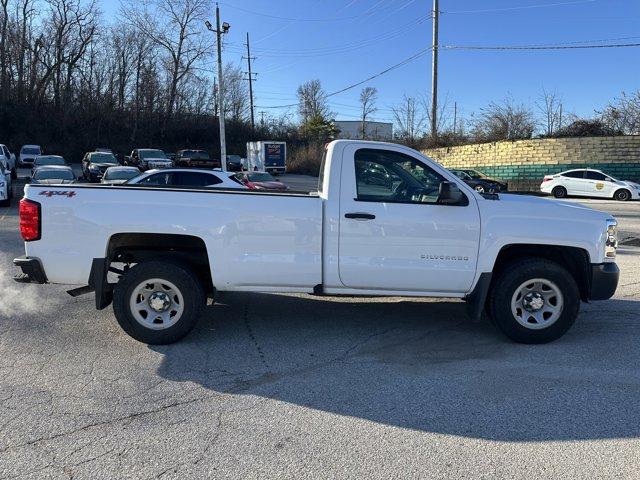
x=360 y=216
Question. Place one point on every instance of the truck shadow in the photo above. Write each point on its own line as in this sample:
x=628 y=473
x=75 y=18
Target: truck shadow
x=420 y=365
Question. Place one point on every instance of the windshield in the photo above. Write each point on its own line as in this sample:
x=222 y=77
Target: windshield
x=103 y=158
x=121 y=174
x=475 y=174
x=234 y=158
x=30 y=151
x=53 y=160
x=53 y=175
x=159 y=154
x=462 y=175
x=261 y=177
x=195 y=155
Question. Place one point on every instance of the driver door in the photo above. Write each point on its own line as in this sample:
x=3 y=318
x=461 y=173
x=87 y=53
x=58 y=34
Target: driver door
x=393 y=233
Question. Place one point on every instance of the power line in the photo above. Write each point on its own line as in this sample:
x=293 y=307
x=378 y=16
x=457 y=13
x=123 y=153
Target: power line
x=522 y=7
x=354 y=85
x=293 y=19
x=533 y=47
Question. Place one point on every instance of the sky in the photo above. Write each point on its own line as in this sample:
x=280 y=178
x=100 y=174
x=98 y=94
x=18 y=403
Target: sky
x=342 y=42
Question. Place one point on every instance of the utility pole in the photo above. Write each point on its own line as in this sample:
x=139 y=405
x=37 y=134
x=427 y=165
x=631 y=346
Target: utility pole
x=455 y=117
x=262 y=112
x=434 y=73
x=219 y=32
x=249 y=58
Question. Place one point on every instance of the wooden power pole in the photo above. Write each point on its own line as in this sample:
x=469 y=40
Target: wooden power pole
x=250 y=74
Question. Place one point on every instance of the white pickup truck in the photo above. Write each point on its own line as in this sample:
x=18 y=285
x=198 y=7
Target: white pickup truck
x=386 y=221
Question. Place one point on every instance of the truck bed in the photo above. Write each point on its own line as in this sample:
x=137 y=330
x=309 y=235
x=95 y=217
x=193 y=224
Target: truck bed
x=254 y=240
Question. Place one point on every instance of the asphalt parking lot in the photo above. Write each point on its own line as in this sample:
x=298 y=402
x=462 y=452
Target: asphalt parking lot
x=294 y=386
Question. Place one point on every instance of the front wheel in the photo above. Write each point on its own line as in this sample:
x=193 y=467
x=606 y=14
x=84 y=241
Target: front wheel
x=622 y=195
x=158 y=302
x=534 y=301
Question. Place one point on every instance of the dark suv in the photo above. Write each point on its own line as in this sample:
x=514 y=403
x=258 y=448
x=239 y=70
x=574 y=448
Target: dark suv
x=94 y=164
x=195 y=159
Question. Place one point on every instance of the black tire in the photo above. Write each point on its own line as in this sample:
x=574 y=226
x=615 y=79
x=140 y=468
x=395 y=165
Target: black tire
x=511 y=278
x=559 y=192
x=622 y=195
x=178 y=274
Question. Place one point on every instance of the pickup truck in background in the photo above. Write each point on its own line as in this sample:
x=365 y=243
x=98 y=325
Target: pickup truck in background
x=528 y=262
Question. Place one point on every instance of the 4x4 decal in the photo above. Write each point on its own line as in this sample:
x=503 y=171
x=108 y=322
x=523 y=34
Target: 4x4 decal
x=63 y=193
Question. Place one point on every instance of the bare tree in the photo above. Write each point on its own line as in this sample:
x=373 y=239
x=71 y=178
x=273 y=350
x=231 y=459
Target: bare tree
x=236 y=93
x=443 y=114
x=623 y=114
x=312 y=102
x=368 y=99
x=173 y=25
x=550 y=106
x=504 y=121
x=410 y=119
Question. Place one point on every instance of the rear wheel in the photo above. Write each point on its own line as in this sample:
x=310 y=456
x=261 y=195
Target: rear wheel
x=158 y=302
x=622 y=195
x=559 y=192
x=479 y=189
x=534 y=301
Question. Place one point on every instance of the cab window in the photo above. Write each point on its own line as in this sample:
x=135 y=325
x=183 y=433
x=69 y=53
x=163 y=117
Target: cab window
x=386 y=176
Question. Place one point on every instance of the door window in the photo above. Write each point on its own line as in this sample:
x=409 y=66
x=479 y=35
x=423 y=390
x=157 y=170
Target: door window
x=574 y=174
x=194 y=179
x=386 y=176
x=591 y=175
x=162 y=178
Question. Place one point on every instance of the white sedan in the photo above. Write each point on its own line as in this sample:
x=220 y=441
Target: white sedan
x=187 y=177
x=6 y=190
x=589 y=183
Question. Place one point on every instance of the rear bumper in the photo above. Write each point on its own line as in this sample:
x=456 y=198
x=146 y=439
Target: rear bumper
x=604 y=281
x=32 y=271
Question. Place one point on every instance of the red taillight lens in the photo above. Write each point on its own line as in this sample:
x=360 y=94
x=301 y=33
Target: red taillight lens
x=249 y=185
x=547 y=178
x=29 y=220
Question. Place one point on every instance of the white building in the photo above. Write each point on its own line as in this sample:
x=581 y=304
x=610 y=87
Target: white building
x=374 y=130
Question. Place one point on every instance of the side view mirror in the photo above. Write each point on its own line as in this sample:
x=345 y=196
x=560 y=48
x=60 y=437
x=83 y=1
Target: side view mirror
x=450 y=194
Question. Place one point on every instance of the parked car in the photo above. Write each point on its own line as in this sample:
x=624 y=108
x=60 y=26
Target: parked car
x=479 y=176
x=119 y=175
x=186 y=178
x=148 y=158
x=47 y=160
x=94 y=164
x=195 y=159
x=511 y=256
x=6 y=186
x=260 y=181
x=9 y=160
x=28 y=154
x=585 y=182
x=480 y=184
x=234 y=163
x=53 y=175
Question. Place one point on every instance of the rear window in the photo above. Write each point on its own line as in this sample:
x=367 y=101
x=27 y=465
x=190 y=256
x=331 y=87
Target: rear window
x=53 y=175
x=121 y=174
x=30 y=151
x=196 y=155
x=261 y=177
x=574 y=174
x=49 y=161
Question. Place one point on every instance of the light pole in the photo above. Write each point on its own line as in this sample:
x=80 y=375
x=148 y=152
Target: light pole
x=219 y=32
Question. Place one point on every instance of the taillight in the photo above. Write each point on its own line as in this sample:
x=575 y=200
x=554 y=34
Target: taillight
x=249 y=185
x=547 y=178
x=29 y=220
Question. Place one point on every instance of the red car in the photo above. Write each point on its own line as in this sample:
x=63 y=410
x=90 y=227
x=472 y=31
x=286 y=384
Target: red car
x=261 y=181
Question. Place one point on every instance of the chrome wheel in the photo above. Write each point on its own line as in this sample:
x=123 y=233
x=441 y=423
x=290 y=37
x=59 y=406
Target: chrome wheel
x=537 y=304
x=156 y=304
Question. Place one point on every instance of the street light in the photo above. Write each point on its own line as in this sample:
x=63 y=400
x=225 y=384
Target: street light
x=219 y=32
